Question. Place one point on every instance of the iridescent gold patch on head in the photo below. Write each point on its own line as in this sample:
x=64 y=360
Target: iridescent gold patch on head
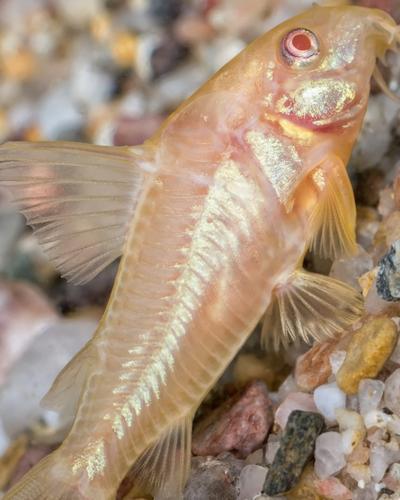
x=318 y=99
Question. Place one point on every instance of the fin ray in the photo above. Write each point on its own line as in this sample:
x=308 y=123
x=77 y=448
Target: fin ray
x=310 y=307
x=334 y=218
x=163 y=469
x=78 y=198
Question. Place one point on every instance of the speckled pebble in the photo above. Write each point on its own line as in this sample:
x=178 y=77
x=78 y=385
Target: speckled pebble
x=296 y=447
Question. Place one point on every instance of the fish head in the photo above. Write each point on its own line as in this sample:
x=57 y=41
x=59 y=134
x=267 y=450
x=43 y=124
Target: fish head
x=320 y=65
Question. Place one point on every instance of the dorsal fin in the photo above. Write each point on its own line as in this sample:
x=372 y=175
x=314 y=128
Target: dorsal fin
x=78 y=198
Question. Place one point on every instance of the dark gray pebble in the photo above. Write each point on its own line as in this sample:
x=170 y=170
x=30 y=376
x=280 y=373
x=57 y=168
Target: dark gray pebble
x=388 y=278
x=296 y=448
x=214 y=478
x=167 y=56
x=165 y=11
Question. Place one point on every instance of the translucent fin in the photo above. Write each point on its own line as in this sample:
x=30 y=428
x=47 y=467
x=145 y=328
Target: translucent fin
x=48 y=480
x=163 y=469
x=78 y=198
x=334 y=218
x=63 y=396
x=310 y=307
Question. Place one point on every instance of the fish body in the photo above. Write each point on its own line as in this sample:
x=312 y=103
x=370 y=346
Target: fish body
x=213 y=216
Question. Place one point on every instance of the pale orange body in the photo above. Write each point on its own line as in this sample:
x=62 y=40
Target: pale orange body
x=228 y=205
x=197 y=275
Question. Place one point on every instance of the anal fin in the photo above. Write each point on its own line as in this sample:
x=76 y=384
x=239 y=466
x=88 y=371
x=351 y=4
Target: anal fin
x=163 y=469
x=310 y=307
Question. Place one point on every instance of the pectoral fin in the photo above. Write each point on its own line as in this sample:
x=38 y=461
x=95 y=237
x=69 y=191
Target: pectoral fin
x=78 y=198
x=333 y=220
x=310 y=306
x=163 y=469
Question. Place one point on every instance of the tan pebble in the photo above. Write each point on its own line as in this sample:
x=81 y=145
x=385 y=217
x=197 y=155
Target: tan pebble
x=100 y=27
x=270 y=368
x=359 y=472
x=367 y=280
x=19 y=65
x=249 y=367
x=351 y=426
x=369 y=348
x=33 y=134
x=305 y=488
x=124 y=48
x=313 y=368
x=360 y=455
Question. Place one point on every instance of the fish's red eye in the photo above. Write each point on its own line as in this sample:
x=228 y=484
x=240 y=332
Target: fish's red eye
x=300 y=46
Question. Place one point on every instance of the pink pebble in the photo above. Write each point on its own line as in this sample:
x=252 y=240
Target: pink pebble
x=332 y=488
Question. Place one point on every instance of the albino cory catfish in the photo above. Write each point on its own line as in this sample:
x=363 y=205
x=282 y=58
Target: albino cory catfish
x=212 y=217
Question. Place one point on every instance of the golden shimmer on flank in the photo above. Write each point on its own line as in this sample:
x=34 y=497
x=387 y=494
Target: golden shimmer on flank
x=92 y=460
x=319 y=179
x=212 y=217
x=271 y=151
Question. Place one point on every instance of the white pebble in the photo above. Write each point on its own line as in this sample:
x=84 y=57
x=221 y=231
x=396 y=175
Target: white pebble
x=392 y=392
x=271 y=448
x=370 y=394
x=327 y=399
x=251 y=481
x=376 y=418
x=336 y=360
x=380 y=459
x=329 y=455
